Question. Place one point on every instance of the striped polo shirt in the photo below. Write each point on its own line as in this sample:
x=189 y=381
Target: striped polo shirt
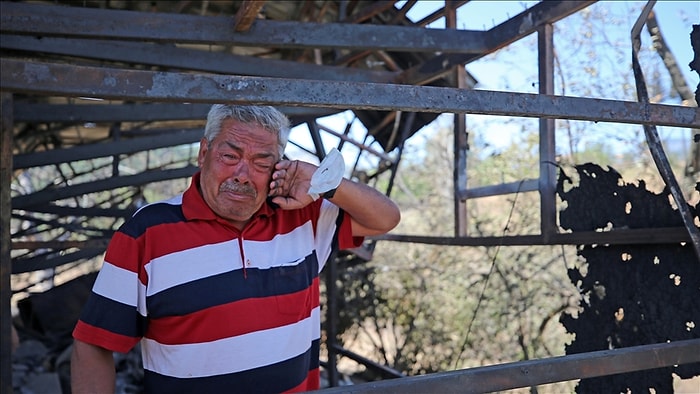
x=216 y=308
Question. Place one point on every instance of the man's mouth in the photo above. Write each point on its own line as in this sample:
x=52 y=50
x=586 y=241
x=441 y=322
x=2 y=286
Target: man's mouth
x=237 y=188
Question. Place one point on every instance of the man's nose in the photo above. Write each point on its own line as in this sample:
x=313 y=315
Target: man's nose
x=241 y=172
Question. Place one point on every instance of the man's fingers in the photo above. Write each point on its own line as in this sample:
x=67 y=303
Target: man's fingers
x=276 y=188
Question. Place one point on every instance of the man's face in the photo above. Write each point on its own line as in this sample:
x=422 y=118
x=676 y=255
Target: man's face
x=236 y=170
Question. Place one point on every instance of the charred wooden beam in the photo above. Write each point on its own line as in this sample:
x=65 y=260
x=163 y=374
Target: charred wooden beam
x=370 y=11
x=246 y=14
x=187 y=59
x=440 y=13
x=59 y=21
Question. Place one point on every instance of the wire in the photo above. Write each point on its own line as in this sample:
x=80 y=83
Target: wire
x=488 y=276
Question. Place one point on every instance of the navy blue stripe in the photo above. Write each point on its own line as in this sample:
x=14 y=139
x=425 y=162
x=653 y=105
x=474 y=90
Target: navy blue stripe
x=152 y=215
x=232 y=286
x=122 y=319
x=273 y=378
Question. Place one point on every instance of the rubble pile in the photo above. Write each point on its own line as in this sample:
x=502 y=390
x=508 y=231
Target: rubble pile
x=42 y=342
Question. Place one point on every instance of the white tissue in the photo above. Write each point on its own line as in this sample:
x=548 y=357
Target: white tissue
x=328 y=175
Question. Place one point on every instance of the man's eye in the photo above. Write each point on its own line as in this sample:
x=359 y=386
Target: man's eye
x=228 y=158
x=263 y=166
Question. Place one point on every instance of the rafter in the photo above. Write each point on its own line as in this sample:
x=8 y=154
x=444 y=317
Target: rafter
x=246 y=14
x=76 y=22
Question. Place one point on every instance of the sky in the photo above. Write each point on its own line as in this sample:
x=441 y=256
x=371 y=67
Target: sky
x=516 y=69
x=675 y=20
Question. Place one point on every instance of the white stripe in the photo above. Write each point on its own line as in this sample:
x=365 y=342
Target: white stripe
x=188 y=265
x=200 y=262
x=117 y=284
x=121 y=285
x=231 y=355
x=285 y=249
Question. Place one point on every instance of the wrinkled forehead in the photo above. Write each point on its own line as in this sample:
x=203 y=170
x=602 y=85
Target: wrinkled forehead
x=248 y=137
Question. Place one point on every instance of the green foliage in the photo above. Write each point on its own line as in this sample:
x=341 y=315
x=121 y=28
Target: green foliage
x=429 y=308
x=426 y=308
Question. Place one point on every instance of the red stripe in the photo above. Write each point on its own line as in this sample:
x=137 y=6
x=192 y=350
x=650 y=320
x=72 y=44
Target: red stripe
x=281 y=222
x=96 y=336
x=187 y=235
x=123 y=252
x=312 y=382
x=236 y=318
x=345 y=237
x=176 y=237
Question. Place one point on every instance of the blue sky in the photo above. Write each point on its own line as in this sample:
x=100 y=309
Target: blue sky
x=675 y=19
x=515 y=68
x=608 y=50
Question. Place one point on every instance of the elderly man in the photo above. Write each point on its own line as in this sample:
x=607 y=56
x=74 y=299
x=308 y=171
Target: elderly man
x=221 y=284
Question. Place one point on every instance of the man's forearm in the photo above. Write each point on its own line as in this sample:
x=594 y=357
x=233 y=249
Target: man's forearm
x=92 y=369
x=372 y=212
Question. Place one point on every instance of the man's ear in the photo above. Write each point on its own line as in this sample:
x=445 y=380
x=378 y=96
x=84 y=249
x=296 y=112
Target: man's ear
x=203 y=148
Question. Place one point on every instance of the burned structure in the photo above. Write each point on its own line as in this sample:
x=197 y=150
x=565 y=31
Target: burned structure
x=110 y=79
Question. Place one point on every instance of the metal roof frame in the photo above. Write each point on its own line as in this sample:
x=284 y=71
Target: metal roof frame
x=150 y=63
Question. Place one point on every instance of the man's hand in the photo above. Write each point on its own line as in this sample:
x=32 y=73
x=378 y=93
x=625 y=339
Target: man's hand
x=371 y=212
x=290 y=184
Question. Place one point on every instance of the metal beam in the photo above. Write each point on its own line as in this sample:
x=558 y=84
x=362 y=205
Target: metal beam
x=547 y=143
x=63 y=245
x=133 y=112
x=363 y=147
x=654 y=141
x=382 y=369
x=6 y=133
x=525 y=185
x=187 y=58
x=61 y=21
x=91 y=212
x=52 y=260
x=315 y=135
x=460 y=140
x=61 y=79
x=111 y=148
x=614 y=237
x=501 y=377
x=47 y=196
x=107 y=113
